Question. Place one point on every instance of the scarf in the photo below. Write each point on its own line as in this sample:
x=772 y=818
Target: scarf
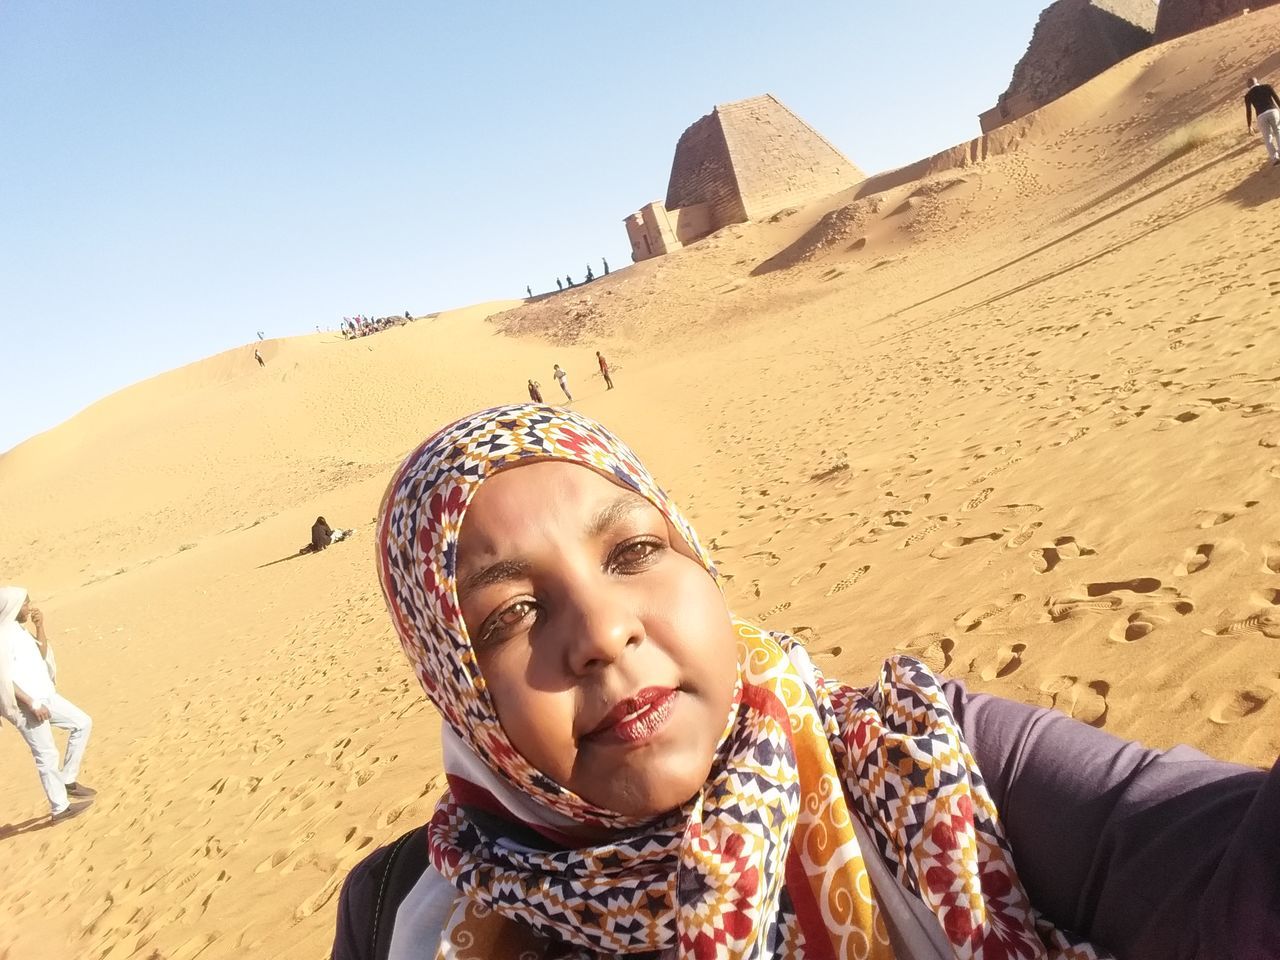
x=763 y=861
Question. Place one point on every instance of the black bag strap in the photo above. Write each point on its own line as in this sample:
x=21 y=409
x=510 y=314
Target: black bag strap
x=405 y=865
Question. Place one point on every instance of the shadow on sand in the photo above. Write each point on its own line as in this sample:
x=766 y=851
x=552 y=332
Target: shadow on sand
x=292 y=556
x=26 y=826
x=1258 y=188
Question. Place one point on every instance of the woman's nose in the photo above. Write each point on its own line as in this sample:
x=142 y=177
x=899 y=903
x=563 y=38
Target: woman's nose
x=603 y=627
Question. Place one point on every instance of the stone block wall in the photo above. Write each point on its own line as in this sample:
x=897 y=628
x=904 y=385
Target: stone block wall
x=1178 y=17
x=779 y=160
x=702 y=172
x=1075 y=40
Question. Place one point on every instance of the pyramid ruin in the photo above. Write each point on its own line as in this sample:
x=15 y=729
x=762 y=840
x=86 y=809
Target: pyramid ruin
x=1073 y=42
x=743 y=161
x=1183 y=16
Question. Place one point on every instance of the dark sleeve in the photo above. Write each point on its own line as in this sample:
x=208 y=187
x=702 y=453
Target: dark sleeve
x=353 y=939
x=1155 y=855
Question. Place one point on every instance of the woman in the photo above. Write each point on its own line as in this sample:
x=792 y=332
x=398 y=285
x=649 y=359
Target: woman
x=633 y=771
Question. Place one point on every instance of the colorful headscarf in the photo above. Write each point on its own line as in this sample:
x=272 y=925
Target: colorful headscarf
x=764 y=861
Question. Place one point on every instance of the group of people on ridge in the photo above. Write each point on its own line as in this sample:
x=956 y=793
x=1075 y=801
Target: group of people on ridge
x=535 y=388
x=568 y=280
x=362 y=326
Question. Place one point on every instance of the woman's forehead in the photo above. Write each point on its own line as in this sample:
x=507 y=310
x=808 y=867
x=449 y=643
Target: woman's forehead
x=527 y=498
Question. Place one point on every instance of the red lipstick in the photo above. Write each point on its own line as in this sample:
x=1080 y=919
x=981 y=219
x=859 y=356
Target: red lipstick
x=639 y=717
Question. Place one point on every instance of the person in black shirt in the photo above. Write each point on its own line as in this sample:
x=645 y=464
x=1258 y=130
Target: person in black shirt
x=1261 y=100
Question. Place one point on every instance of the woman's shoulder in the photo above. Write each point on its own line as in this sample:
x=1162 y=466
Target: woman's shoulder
x=373 y=891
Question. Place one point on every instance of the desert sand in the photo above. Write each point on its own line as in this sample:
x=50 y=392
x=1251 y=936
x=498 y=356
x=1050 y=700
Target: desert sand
x=1017 y=416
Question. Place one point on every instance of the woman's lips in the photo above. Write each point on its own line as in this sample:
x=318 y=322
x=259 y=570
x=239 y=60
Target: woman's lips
x=637 y=718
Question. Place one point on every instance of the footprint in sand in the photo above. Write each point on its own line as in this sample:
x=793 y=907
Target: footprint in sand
x=776 y=609
x=1168 y=423
x=1133 y=628
x=934 y=525
x=1195 y=560
x=1267 y=624
x=1005 y=661
x=321 y=897
x=931 y=649
x=850 y=580
x=1271 y=557
x=767 y=557
x=808 y=574
x=978 y=499
x=1064 y=548
x=949 y=548
x=1085 y=702
x=1064 y=608
x=1072 y=437
x=1101 y=597
x=811 y=639
x=1231 y=707
x=1216 y=518
x=975 y=617
x=1023 y=535
x=1020 y=509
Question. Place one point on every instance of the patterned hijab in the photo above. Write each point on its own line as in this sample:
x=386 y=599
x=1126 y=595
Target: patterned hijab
x=764 y=861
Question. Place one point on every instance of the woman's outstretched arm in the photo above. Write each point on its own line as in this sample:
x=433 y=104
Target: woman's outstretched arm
x=1156 y=855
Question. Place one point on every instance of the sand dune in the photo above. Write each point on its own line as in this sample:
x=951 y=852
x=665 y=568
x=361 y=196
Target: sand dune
x=1017 y=416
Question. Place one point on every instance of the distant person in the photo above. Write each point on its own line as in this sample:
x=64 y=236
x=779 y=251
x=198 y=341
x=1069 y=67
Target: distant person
x=322 y=535
x=559 y=285
x=604 y=369
x=1261 y=99
x=568 y=280
x=535 y=391
x=529 y=291
x=562 y=376
x=29 y=700
x=407 y=316
x=260 y=336
x=606 y=266
x=257 y=356
x=590 y=276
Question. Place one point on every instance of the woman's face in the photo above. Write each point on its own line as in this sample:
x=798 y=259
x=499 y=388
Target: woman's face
x=605 y=645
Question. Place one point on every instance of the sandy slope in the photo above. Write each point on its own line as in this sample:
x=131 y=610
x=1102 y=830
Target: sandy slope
x=1018 y=417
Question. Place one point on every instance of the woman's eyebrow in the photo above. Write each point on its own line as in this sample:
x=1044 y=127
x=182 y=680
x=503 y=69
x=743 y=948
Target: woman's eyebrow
x=499 y=572
x=614 y=512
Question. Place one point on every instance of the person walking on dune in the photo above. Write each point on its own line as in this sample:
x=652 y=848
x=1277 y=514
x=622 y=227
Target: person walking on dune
x=561 y=375
x=535 y=391
x=257 y=356
x=604 y=369
x=29 y=700
x=1261 y=99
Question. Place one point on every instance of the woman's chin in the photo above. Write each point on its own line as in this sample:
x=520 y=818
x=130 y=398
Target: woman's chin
x=651 y=793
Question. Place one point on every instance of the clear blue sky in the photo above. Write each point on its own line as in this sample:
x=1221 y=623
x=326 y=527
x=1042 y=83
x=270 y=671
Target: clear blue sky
x=177 y=175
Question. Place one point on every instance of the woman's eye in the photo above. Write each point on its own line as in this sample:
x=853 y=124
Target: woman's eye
x=636 y=553
x=506 y=620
